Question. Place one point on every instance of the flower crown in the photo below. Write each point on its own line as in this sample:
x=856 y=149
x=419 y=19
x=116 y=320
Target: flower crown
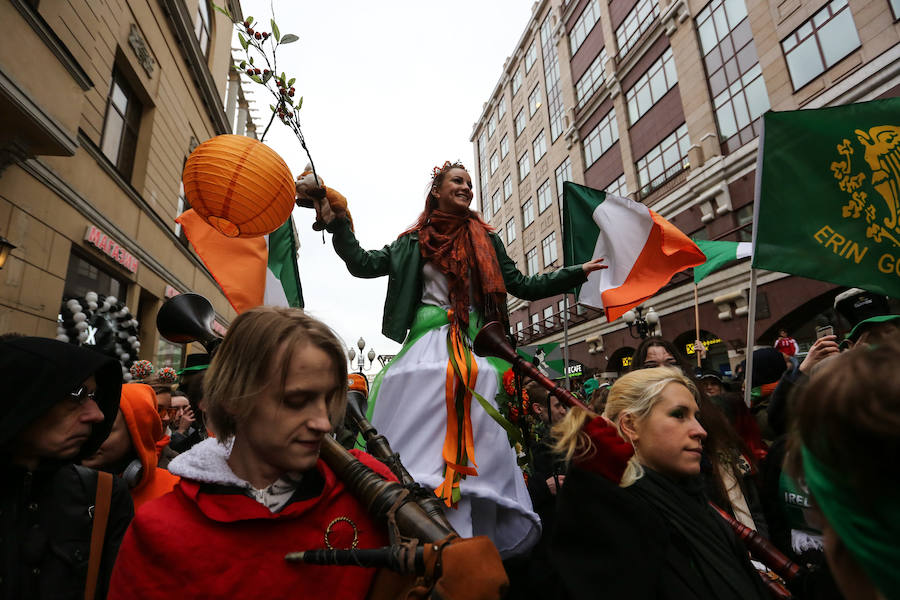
x=447 y=165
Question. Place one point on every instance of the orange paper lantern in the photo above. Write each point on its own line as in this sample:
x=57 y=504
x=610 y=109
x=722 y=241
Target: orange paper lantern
x=239 y=186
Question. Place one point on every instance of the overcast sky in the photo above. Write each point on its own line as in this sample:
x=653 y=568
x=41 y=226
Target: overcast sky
x=390 y=89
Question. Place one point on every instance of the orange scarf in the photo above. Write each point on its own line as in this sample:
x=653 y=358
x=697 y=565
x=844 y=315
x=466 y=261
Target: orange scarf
x=459 y=247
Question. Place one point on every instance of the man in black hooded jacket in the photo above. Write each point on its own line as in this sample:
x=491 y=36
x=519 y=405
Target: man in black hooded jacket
x=57 y=406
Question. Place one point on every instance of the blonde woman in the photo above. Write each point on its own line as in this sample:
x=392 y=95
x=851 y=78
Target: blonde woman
x=648 y=532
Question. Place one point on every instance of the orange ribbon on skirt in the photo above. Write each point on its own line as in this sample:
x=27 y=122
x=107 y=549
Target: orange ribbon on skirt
x=459 y=443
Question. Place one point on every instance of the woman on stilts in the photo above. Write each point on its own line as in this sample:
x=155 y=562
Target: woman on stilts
x=449 y=274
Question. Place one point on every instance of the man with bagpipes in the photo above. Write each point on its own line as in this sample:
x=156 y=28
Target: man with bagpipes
x=273 y=482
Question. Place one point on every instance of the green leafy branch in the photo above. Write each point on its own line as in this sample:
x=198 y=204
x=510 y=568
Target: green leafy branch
x=260 y=64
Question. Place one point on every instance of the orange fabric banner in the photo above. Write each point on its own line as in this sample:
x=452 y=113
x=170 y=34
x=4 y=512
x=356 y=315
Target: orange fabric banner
x=237 y=264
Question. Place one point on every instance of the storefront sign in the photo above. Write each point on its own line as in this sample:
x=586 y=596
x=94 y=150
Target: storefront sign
x=689 y=348
x=111 y=248
x=626 y=361
x=574 y=370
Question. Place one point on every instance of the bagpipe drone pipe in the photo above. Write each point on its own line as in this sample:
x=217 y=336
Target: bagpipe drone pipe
x=422 y=541
x=491 y=341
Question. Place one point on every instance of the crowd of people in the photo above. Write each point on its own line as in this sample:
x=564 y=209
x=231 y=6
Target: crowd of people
x=664 y=484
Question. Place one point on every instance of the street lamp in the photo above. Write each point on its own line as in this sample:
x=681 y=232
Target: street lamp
x=636 y=320
x=361 y=344
x=5 y=248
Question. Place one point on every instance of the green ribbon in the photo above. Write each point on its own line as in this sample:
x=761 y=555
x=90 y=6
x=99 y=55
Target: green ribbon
x=870 y=527
x=428 y=318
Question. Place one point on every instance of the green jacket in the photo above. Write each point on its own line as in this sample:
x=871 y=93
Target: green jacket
x=401 y=261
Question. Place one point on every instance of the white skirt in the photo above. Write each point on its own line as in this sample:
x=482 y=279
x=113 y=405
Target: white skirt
x=410 y=410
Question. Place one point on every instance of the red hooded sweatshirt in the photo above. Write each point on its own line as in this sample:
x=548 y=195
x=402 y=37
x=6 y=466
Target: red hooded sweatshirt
x=138 y=407
x=210 y=540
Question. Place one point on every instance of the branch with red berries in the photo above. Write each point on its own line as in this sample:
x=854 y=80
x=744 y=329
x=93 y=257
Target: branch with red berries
x=261 y=66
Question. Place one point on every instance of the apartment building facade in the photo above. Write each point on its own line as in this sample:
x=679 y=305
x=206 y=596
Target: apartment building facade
x=101 y=103
x=660 y=101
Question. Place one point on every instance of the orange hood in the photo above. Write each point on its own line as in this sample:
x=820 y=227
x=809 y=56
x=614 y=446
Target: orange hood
x=138 y=408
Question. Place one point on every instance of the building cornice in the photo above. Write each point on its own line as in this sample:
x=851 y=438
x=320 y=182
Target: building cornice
x=46 y=34
x=180 y=21
x=66 y=143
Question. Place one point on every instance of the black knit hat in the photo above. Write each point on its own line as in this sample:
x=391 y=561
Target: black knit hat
x=768 y=366
x=38 y=372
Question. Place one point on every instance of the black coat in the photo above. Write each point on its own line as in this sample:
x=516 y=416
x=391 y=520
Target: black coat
x=45 y=531
x=611 y=543
x=46 y=514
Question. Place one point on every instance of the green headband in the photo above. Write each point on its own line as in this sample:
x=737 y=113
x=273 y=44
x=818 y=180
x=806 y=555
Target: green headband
x=870 y=532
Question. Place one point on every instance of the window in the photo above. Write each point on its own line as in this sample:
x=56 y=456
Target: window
x=563 y=313
x=501 y=107
x=636 y=22
x=536 y=323
x=486 y=210
x=510 y=231
x=548 y=249
x=182 y=206
x=520 y=122
x=504 y=146
x=592 y=80
x=665 y=160
x=524 y=166
x=563 y=173
x=495 y=163
x=895 y=8
x=531 y=56
x=551 y=78
x=544 y=196
x=531 y=260
x=120 y=128
x=584 y=25
x=519 y=327
x=534 y=100
x=483 y=164
x=517 y=80
x=732 y=67
x=820 y=42
x=548 y=317
x=652 y=86
x=539 y=145
x=507 y=188
x=601 y=138
x=492 y=126
x=617 y=187
x=201 y=26
x=497 y=202
x=744 y=216
x=527 y=213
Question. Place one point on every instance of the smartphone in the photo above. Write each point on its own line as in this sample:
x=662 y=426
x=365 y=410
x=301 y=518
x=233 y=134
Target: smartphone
x=824 y=330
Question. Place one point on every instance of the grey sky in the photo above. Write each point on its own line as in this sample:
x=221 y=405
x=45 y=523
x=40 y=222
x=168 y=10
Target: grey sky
x=390 y=89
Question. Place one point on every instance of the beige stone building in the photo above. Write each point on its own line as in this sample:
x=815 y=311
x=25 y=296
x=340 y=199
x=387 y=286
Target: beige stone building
x=659 y=100
x=100 y=105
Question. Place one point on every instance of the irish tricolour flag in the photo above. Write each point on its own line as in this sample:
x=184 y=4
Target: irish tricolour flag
x=719 y=255
x=643 y=250
x=250 y=271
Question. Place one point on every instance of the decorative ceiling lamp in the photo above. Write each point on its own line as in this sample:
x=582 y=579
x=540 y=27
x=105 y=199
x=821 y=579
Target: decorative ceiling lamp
x=239 y=186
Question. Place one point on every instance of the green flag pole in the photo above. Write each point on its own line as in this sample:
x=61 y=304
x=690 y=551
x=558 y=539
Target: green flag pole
x=566 y=340
x=751 y=335
x=751 y=309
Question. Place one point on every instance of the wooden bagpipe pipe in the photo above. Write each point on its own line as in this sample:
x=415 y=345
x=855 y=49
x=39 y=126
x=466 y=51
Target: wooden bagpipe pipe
x=422 y=542
x=492 y=341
